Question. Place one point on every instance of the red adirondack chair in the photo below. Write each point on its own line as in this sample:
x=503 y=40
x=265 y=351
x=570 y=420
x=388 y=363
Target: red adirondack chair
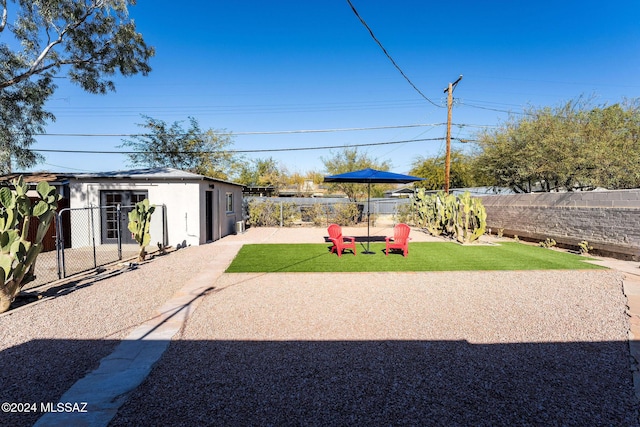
x=339 y=241
x=400 y=239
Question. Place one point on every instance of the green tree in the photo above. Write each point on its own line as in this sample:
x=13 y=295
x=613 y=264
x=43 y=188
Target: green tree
x=263 y=173
x=613 y=160
x=206 y=153
x=90 y=40
x=349 y=160
x=296 y=180
x=462 y=173
x=315 y=176
x=574 y=146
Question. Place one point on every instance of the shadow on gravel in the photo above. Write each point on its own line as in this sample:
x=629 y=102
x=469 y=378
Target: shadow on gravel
x=41 y=371
x=345 y=383
x=386 y=382
x=49 y=291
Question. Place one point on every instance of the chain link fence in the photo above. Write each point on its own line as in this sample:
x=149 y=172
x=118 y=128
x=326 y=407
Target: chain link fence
x=299 y=211
x=87 y=238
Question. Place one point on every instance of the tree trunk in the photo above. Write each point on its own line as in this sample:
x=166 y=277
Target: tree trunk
x=5 y=299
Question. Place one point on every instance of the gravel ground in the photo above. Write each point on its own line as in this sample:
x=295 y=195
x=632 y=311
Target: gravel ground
x=46 y=347
x=482 y=349
x=488 y=348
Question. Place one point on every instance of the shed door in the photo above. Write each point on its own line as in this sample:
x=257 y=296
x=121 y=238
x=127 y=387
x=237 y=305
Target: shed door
x=209 y=215
x=109 y=200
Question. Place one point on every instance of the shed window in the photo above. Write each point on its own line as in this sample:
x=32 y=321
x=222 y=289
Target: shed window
x=229 y=197
x=112 y=223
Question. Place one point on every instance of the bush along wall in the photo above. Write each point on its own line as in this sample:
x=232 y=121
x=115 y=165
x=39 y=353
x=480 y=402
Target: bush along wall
x=460 y=217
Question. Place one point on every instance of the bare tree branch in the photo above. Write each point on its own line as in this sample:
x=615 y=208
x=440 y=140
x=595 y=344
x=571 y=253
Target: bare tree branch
x=3 y=22
x=36 y=66
x=70 y=27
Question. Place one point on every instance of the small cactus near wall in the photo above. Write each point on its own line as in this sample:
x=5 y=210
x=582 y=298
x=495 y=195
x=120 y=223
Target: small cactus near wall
x=139 y=223
x=548 y=243
x=584 y=247
x=17 y=253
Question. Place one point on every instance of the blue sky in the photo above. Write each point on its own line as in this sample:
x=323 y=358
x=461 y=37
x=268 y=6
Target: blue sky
x=254 y=66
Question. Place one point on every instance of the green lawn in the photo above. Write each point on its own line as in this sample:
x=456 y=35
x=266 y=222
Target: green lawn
x=314 y=257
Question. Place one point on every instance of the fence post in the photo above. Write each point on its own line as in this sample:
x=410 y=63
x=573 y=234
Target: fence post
x=93 y=237
x=118 y=218
x=165 y=237
x=327 y=209
x=60 y=243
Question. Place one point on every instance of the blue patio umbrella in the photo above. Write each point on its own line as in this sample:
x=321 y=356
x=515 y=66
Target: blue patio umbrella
x=371 y=176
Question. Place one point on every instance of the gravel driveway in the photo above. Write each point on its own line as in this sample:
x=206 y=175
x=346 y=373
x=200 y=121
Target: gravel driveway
x=533 y=348
x=463 y=348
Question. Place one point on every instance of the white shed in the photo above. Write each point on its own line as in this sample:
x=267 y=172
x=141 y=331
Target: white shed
x=196 y=209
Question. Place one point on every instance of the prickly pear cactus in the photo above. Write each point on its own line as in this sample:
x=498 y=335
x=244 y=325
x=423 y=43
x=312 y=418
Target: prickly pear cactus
x=461 y=217
x=17 y=253
x=472 y=219
x=139 y=223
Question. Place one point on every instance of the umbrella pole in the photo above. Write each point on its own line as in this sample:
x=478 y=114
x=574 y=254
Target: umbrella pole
x=368 y=217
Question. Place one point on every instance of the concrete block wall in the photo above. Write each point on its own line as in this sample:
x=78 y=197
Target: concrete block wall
x=608 y=220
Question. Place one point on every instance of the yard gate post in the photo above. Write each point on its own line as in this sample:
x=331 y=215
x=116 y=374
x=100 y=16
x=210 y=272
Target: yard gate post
x=118 y=217
x=59 y=244
x=93 y=236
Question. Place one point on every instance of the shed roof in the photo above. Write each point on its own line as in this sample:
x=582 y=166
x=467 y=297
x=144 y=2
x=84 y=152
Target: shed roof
x=148 y=174
x=36 y=177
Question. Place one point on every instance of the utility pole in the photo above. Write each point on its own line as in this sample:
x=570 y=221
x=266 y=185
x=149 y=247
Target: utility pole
x=447 y=157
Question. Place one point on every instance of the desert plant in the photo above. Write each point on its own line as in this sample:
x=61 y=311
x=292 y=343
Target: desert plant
x=139 y=223
x=264 y=214
x=270 y=214
x=316 y=213
x=461 y=217
x=345 y=213
x=471 y=219
x=17 y=252
x=290 y=213
x=584 y=247
x=500 y=233
x=548 y=243
x=405 y=214
x=516 y=238
x=434 y=211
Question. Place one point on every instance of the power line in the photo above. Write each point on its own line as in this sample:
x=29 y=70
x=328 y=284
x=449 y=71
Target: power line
x=388 y=55
x=281 y=132
x=494 y=109
x=277 y=132
x=266 y=150
x=66 y=167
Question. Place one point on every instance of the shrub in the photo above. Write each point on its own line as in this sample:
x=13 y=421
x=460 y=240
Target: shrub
x=406 y=214
x=269 y=213
x=318 y=214
x=345 y=213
